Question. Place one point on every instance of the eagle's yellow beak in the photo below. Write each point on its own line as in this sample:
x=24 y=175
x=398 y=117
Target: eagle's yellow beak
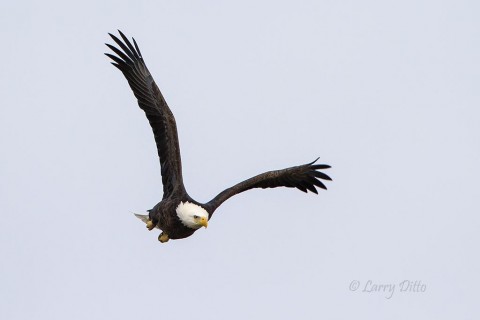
x=204 y=222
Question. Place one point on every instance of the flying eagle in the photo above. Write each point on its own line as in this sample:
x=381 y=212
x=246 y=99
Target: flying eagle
x=178 y=216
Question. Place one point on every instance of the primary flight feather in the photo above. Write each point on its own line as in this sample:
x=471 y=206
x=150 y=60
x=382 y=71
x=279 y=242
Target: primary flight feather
x=178 y=215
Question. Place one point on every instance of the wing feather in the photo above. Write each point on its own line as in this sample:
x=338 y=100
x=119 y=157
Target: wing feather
x=130 y=61
x=304 y=177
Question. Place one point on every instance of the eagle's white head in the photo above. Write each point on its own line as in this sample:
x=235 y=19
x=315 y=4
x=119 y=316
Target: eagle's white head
x=192 y=215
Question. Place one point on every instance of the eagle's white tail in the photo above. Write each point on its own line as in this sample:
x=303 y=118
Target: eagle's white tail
x=143 y=217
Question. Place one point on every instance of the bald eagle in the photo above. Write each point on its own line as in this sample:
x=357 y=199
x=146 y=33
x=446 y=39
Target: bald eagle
x=178 y=215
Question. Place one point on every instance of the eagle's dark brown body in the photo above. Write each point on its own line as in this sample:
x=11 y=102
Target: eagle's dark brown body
x=164 y=215
x=129 y=60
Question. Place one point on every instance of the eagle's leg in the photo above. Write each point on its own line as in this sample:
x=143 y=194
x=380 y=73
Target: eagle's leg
x=163 y=237
x=150 y=225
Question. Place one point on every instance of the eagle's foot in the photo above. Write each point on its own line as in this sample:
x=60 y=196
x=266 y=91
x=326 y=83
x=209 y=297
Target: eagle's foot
x=163 y=237
x=150 y=225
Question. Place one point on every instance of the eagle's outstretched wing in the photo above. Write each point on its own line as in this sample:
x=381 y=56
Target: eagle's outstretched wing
x=304 y=177
x=129 y=60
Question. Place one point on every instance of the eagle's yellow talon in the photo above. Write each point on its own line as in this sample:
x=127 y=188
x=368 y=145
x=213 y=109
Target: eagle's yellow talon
x=163 y=237
x=150 y=225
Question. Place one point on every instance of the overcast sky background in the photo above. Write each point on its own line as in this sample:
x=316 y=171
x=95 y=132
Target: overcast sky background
x=387 y=92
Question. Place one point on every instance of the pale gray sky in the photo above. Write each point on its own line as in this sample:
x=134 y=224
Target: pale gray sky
x=387 y=92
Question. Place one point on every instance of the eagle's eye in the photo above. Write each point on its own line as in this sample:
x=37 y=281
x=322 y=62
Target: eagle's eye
x=195 y=217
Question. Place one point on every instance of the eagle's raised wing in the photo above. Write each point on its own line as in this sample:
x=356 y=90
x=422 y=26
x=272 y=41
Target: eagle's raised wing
x=129 y=60
x=304 y=177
